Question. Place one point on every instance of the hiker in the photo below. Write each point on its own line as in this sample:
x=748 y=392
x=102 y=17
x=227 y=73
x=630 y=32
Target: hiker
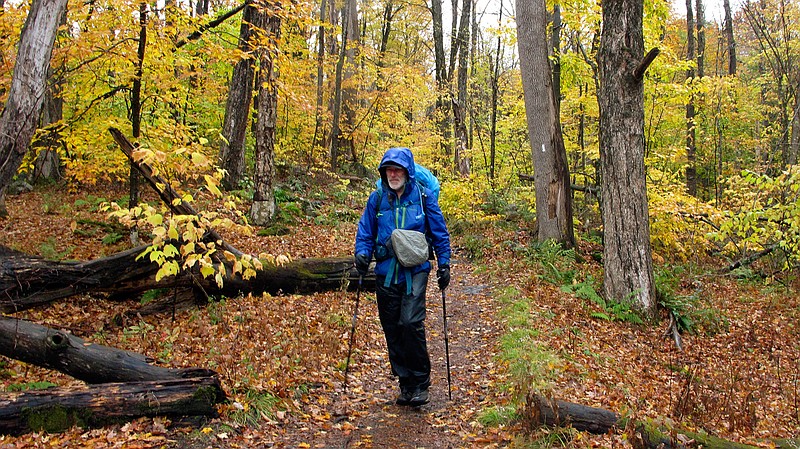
x=402 y=202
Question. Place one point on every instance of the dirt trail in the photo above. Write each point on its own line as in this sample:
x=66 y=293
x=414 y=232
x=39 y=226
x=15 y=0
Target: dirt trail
x=366 y=415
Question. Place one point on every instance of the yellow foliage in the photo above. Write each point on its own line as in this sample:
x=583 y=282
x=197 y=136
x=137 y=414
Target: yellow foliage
x=461 y=199
x=675 y=231
x=177 y=239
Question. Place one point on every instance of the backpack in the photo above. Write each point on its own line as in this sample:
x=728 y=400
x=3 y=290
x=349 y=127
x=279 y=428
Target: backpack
x=423 y=176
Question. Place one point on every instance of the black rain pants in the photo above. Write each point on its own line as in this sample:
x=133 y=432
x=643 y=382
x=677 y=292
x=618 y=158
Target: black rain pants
x=403 y=320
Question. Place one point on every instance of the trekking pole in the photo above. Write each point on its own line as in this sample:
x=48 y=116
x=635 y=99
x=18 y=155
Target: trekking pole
x=352 y=333
x=446 y=347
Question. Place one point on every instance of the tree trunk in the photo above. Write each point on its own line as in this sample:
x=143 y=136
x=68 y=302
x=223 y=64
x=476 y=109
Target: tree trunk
x=28 y=281
x=627 y=255
x=3 y=207
x=48 y=165
x=553 y=195
x=555 y=413
x=58 y=409
x=461 y=107
x=349 y=87
x=701 y=38
x=494 y=82
x=201 y=8
x=29 y=80
x=794 y=140
x=92 y=363
x=555 y=49
x=263 y=208
x=386 y=30
x=237 y=107
x=136 y=107
x=319 y=129
x=337 y=100
x=691 y=148
x=731 y=43
x=442 y=76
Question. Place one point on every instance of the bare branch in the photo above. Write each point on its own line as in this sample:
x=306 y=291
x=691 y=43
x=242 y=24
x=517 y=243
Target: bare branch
x=638 y=74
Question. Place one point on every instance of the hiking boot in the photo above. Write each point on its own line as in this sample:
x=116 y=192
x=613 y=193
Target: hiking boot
x=419 y=397
x=404 y=398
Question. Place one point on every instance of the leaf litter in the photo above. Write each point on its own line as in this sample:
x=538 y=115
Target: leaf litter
x=740 y=383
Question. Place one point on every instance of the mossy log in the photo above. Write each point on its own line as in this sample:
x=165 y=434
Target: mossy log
x=57 y=409
x=27 y=281
x=542 y=411
x=89 y=362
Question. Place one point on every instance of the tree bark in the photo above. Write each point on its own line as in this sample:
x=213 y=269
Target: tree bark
x=461 y=106
x=553 y=195
x=731 y=43
x=701 y=38
x=794 y=138
x=494 y=83
x=237 y=106
x=691 y=147
x=29 y=80
x=555 y=52
x=201 y=8
x=627 y=255
x=319 y=129
x=349 y=86
x=264 y=206
x=442 y=76
x=48 y=166
x=57 y=409
x=91 y=363
x=335 y=150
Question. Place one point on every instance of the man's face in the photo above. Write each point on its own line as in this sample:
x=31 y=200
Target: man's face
x=396 y=177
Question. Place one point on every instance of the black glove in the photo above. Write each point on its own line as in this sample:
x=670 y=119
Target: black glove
x=362 y=264
x=443 y=276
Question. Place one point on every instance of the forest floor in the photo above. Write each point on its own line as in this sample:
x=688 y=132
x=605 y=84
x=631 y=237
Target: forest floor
x=281 y=358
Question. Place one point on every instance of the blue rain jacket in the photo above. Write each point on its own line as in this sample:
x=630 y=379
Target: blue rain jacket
x=385 y=212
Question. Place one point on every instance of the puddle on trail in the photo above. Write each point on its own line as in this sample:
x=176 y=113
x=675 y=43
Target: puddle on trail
x=474 y=289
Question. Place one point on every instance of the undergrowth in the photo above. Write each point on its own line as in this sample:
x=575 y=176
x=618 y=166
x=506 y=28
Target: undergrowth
x=253 y=406
x=532 y=367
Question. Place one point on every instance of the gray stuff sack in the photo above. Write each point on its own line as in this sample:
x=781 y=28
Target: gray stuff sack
x=410 y=247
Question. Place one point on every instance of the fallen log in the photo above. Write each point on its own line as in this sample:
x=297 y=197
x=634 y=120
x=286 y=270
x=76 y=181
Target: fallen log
x=541 y=411
x=27 y=281
x=89 y=362
x=57 y=409
x=555 y=413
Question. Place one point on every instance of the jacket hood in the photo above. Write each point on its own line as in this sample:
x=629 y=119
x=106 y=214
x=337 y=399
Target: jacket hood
x=398 y=156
